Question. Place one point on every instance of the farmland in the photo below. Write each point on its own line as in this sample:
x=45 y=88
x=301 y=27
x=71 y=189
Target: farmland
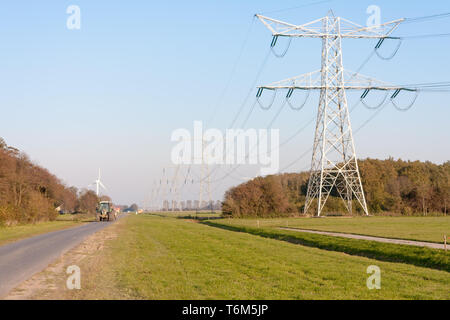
x=155 y=257
x=429 y=229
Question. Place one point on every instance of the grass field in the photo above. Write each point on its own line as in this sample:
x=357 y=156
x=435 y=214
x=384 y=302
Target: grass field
x=419 y=256
x=166 y=258
x=14 y=233
x=430 y=229
x=187 y=214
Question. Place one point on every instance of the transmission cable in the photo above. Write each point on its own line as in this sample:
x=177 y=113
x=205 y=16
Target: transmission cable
x=364 y=95
x=393 y=54
x=381 y=106
x=303 y=128
x=251 y=89
x=233 y=70
x=298 y=7
x=425 y=36
x=408 y=106
x=427 y=18
x=241 y=108
x=274 y=42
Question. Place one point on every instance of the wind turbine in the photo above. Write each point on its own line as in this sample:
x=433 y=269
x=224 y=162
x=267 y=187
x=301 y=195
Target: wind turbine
x=98 y=183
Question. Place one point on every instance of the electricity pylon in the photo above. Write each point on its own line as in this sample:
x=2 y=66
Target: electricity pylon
x=334 y=165
x=175 y=187
x=163 y=182
x=204 y=173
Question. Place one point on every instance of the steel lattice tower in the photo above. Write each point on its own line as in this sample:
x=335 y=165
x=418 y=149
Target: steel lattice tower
x=334 y=160
x=334 y=165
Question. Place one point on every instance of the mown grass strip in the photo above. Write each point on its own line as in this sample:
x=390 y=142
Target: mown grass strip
x=418 y=256
x=430 y=229
x=16 y=233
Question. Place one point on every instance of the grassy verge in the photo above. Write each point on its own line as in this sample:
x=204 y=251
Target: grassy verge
x=425 y=257
x=431 y=229
x=166 y=258
x=187 y=214
x=79 y=217
x=14 y=233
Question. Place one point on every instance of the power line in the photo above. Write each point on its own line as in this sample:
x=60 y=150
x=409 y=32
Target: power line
x=428 y=18
x=258 y=74
x=233 y=70
x=257 y=77
x=363 y=64
x=241 y=108
x=229 y=82
x=299 y=7
x=424 y=87
x=425 y=36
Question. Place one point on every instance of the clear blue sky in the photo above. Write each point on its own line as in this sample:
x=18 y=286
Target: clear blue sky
x=109 y=95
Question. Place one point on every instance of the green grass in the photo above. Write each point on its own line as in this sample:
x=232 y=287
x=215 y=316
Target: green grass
x=430 y=229
x=80 y=217
x=187 y=214
x=14 y=233
x=166 y=258
x=419 y=256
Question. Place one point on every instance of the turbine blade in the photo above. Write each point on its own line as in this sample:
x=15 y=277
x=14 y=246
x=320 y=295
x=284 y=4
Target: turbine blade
x=103 y=186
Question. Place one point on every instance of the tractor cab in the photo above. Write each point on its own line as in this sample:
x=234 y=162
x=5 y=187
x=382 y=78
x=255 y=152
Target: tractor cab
x=105 y=211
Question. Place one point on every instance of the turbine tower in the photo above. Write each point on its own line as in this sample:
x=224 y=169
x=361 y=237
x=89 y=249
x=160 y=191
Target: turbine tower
x=98 y=183
x=334 y=165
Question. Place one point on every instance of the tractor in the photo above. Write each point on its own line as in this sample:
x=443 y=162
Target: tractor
x=105 y=211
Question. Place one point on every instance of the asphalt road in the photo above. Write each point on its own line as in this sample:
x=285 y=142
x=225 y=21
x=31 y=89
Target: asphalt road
x=20 y=260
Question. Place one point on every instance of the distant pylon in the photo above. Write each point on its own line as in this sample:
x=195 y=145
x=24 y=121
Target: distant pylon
x=204 y=173
x=334 y=165
x=163 y=185
x=176 y=187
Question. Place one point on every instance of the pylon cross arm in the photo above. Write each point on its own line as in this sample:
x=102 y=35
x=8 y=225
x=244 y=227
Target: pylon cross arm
x=352 y=81
x=313 y=29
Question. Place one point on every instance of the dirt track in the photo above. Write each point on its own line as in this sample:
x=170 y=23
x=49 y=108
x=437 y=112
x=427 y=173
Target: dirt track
x=371 y=238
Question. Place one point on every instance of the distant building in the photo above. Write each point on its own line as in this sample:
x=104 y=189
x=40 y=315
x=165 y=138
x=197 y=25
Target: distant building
x=165 y=205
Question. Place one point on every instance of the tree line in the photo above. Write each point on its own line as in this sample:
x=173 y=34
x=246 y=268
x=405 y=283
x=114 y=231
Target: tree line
x=30 y=193
x=390 y=186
